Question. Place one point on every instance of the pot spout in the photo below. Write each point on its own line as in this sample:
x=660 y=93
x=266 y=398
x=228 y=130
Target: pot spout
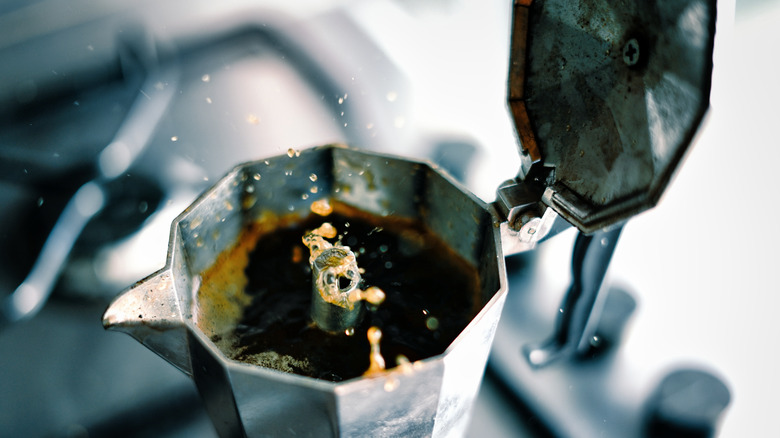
x=151 y=313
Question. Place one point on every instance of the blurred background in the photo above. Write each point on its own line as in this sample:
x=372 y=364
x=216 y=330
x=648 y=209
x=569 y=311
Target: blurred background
x=163 y=98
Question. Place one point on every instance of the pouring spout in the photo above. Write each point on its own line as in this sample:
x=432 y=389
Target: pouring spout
x=151 y=313
x=151 y=301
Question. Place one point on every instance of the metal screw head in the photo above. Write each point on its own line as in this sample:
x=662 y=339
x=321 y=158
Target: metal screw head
x=631 y=52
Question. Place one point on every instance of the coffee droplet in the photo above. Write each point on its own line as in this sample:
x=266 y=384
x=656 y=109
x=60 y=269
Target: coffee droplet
x=321 y=207
x=402 y=362
x=391 y=384
x=377 y=362
x=326 y=230
x=373 y=295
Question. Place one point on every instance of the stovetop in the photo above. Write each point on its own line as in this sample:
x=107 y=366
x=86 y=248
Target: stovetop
x=424 y=80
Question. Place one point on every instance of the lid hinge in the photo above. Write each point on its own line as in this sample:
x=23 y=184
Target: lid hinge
x=525 y=218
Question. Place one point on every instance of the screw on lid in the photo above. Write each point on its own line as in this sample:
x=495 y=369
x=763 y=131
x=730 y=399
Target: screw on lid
x=607 y=99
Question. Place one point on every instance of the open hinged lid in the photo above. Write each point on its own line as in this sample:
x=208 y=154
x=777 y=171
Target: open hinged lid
x=606 y=99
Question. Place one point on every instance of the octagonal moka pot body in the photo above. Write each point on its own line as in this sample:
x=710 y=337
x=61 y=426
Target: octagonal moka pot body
x=430 y=397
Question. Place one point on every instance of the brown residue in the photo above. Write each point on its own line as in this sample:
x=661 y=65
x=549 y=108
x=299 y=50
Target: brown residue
x=221 y=297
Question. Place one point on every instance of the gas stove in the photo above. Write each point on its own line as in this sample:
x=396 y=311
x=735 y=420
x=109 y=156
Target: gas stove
x=165 y=98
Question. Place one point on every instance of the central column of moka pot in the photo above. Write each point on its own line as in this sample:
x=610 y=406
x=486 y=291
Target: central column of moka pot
x=335 y=317
x=199 y=311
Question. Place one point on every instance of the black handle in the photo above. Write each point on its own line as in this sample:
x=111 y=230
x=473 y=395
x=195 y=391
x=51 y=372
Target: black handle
x=581 y=307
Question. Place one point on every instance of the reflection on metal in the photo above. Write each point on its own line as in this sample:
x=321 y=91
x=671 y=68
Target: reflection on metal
x=610 y=97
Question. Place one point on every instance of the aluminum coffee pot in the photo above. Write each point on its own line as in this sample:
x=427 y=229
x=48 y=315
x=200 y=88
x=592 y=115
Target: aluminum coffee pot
x=605 y=101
